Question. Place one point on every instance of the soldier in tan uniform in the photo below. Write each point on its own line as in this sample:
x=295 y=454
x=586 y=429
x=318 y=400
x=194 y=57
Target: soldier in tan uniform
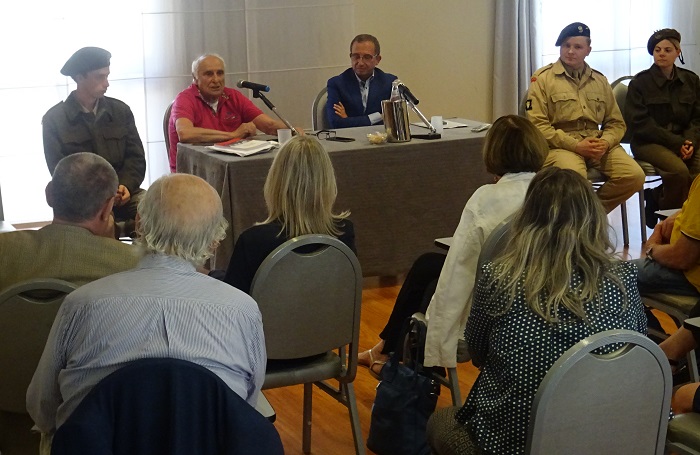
x=574 y=107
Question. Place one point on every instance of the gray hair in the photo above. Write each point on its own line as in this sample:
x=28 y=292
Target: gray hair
x=80 y=185
x=181 y=215
x=200 y=59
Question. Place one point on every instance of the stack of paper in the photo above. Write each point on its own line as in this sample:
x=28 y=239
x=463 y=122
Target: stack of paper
x=243 y=148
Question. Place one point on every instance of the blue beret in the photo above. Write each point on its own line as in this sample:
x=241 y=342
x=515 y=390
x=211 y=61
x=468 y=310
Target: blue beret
x=86 y=59
x=575 y=29
x=661 y=35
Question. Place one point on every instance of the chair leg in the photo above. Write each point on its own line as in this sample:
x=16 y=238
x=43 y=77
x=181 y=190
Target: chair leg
x=306 y=430
x=693 y=366
x=642 y=216
x=454 y=386
x=625 y=229
x=349 y=393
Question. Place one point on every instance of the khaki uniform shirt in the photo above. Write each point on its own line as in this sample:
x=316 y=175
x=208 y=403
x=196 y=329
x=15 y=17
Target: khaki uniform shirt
x=566 y=110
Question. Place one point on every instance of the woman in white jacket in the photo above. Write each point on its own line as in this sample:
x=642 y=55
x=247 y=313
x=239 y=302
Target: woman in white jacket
x=514 y=150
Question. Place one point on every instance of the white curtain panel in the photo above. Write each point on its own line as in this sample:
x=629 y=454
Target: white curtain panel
x=293 y=46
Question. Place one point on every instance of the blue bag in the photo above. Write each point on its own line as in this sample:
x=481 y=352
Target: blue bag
x=405 y=400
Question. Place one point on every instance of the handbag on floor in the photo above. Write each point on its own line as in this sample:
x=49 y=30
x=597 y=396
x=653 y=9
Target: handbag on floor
x=405 y=400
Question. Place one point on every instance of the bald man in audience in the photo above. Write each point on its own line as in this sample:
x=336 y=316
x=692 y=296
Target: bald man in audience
x=208 y=111
x=79 y=245
x=162 y=308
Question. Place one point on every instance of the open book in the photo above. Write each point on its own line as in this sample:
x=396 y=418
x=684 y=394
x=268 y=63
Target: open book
x=243 y=147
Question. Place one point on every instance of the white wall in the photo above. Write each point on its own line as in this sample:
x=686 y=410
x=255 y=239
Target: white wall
x=442 y=50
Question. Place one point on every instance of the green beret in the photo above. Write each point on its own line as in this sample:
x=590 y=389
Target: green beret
x=661 y=35
x=575 y=29
x=86 y=59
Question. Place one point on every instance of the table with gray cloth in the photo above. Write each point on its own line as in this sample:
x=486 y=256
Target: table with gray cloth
x=402 y=195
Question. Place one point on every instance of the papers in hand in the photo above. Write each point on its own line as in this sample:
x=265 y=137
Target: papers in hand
x=243 y=148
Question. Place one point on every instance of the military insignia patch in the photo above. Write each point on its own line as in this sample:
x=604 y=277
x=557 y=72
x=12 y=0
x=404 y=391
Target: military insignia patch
x=533 y=79
x=528 y=105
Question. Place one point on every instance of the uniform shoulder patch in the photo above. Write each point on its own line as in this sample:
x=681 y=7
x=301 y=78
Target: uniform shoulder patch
x=533 y=79
x=528 y=104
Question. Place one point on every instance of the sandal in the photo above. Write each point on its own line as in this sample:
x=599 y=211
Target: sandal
x=375 y=373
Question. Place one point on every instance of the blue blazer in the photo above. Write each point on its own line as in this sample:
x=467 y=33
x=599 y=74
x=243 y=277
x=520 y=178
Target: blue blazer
x=344 y=88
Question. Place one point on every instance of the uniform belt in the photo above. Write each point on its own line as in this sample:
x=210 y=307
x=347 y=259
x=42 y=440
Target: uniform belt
x=576 y=125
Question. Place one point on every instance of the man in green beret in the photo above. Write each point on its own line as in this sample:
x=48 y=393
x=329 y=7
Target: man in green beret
x=88 y=121
x=574 y=107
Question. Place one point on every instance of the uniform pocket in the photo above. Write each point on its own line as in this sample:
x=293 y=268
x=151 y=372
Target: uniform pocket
x=566 y=107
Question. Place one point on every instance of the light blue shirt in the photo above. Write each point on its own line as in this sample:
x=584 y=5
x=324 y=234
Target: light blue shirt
x=374 y=117
x=162 y=308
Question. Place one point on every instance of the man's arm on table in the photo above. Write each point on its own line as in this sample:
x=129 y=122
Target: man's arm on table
x=189 y=133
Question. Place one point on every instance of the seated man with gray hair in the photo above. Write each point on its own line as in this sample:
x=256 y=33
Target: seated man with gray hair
x=162 y=308
x=208 y=111
x=79 y=245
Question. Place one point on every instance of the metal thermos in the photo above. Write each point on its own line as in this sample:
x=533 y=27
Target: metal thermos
x=395 y=114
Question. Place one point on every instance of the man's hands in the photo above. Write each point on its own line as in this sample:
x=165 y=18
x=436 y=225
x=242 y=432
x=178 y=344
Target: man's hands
x=245 y=130
x=687 y=150
x=340 y=110
x=123 y=196
x=592 y=148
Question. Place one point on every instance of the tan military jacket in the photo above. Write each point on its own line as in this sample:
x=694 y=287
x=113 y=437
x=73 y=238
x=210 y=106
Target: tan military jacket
x=566 y=111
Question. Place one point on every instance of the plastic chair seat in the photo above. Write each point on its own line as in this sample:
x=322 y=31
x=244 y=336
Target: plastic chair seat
x=684 y=434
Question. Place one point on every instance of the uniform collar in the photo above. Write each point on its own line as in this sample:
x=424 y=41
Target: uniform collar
x=74 y=109
x=658 y=76
x=560 y=68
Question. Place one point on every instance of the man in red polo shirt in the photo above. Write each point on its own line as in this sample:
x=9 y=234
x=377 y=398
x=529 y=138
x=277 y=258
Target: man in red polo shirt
x=207 y=111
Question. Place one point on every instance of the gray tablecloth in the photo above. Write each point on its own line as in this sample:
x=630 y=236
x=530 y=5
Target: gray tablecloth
x=402 y=196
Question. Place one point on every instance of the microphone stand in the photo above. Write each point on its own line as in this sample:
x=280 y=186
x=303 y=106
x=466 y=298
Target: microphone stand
x=268 y=103
x=412 y=101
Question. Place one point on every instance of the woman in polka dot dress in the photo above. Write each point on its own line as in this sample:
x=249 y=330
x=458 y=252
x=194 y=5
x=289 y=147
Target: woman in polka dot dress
x=556 y=283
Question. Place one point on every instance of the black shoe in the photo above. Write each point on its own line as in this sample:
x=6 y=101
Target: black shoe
x=650 y=207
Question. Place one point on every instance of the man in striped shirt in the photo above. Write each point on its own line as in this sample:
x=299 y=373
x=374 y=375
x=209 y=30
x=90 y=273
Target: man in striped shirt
x=162 y=308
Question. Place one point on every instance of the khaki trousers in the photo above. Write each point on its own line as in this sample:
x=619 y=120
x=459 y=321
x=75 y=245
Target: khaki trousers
x=625 y=177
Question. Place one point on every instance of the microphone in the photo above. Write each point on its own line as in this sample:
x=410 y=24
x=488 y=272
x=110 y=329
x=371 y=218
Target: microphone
x=407 y=94
x=253 y=86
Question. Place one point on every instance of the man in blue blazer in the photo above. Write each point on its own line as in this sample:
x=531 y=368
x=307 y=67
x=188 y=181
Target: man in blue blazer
x=355 y=96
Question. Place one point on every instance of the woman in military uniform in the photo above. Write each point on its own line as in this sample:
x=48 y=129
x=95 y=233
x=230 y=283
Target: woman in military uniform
x=662 y=112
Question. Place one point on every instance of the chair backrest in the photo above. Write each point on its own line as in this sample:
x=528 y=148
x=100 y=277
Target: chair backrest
x=318 y=111
x=309 y=291
x=495 y=243
x=613 y=403
x=165 y=407
x=27 y=311
x=619 y=88
x=166 y=125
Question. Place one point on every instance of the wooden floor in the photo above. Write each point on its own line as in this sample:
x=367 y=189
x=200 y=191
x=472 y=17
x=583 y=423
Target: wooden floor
x=331 y=432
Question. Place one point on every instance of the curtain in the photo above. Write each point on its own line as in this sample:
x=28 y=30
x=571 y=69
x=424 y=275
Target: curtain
x=293 y=46
x=516 y=53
